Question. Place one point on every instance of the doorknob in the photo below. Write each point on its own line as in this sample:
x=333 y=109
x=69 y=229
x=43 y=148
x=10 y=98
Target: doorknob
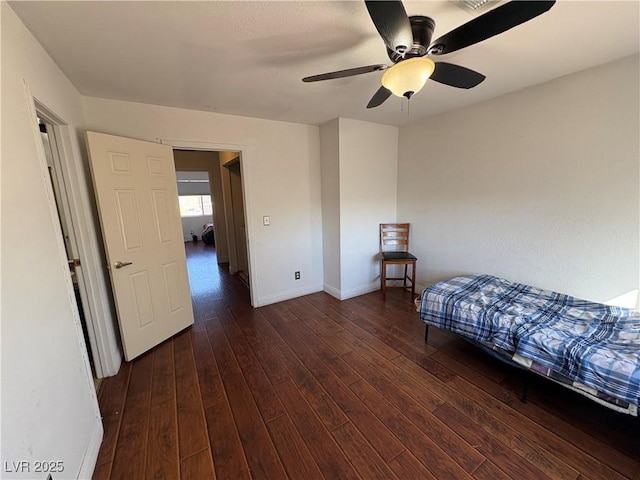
x=120 y=264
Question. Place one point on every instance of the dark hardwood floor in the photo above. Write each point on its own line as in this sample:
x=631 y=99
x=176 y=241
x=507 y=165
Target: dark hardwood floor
x=318 y=388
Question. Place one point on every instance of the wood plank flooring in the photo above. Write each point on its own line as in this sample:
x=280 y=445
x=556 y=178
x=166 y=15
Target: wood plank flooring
x=317 y=388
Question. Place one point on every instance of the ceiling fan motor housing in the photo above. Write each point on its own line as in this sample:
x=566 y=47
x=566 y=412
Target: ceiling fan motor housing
x=422 y=29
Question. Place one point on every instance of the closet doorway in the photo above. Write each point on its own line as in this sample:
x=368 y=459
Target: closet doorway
x=59 y=187
x=237 y=223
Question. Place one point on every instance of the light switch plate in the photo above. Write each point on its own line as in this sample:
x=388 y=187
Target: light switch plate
x=266 y=220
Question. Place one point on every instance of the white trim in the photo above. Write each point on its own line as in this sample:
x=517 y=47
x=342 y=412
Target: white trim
x=288 y=295
x=204 y=146
x=90 y=457
x=246 y=187
x=333 y=291
x=97 y=303
x=69 y=221
x=354 y=292
x=53 y=211
x=361 y=290
x=109 y=354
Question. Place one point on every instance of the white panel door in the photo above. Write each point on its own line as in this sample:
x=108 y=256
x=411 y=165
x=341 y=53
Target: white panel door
x=136 y=192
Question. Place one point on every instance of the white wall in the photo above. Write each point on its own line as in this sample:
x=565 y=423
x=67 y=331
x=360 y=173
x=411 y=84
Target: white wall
x=540 y=186
x=368 y=179
x=330 y=158
x=49 y=406
x=359 y=168
x=281 y=173
x=194 y=224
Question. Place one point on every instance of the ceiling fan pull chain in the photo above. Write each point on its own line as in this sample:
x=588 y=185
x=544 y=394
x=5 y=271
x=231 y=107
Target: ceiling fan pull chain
x=402 y=99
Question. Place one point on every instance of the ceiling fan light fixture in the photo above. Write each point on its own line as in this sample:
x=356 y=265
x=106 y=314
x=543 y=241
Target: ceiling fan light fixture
x=406 y=78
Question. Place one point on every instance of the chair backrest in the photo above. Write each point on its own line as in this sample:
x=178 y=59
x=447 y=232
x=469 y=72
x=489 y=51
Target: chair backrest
x=394 y=237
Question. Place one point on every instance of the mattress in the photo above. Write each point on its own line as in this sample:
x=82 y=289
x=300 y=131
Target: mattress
x=591 y=346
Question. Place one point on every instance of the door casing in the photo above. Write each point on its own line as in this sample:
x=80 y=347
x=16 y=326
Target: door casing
x=244 y=158
x=99 y=315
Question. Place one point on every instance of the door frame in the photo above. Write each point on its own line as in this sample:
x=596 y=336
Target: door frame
x=232 y=243
x=98 y=308
x=230 y=214
x=243 y=157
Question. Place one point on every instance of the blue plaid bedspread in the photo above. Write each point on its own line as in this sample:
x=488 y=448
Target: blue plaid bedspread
x=595 y=344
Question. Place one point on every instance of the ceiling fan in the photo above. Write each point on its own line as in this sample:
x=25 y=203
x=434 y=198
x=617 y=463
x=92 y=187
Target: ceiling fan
x=409 y=45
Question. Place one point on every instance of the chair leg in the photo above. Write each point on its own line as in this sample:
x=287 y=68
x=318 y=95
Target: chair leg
x=413 y=279
x=404 y=280
x=383 y=280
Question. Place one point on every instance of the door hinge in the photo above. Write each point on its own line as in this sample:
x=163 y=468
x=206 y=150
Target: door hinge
x=74 y=262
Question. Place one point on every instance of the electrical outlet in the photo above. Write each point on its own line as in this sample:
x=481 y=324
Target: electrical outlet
x=297 y=275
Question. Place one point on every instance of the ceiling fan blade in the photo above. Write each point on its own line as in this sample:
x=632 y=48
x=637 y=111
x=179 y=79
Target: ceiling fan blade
x=379 y=97
x=392 y=23
x=488 y=25
x=456 y=76
x=349 y=72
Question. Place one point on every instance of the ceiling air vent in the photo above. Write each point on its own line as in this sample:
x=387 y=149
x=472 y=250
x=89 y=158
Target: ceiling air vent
x=475 y=6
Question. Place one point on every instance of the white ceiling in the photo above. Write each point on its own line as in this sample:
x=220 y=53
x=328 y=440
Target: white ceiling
x=248 y=58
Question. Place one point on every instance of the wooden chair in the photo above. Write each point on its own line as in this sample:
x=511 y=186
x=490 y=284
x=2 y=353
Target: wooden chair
x=394 y=250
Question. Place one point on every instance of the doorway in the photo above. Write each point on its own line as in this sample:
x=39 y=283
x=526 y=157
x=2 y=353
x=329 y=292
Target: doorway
x=236 y=220
x=50 y=143
x=226 y=189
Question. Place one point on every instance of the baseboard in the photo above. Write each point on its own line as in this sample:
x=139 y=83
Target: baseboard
x=288 y=295
x=361 y=290
x=353 y=292
x=333 y=291
x=91 y=453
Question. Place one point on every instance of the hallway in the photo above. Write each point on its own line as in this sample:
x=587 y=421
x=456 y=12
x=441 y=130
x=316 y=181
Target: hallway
x=211 y=284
